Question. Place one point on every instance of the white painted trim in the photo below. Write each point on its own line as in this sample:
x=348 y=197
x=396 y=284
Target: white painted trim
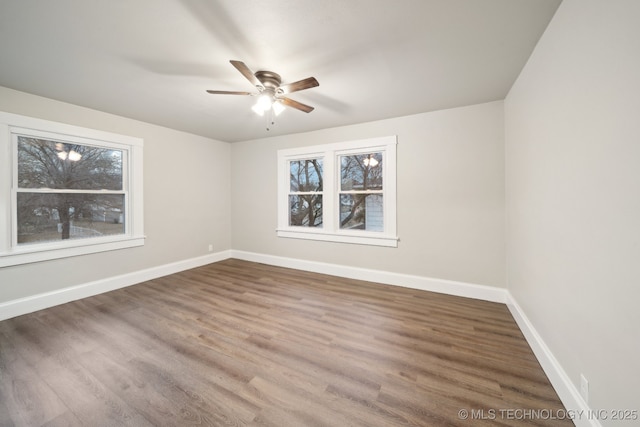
x=469 y=290
x=33 y=303
x=567 y=391
x=330 y=154
x=318 y=234
x=11 y=127
x=65 y=249
x=576 y=407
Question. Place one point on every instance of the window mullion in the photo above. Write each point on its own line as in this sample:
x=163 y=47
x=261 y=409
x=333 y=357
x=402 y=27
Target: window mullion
x=380 y=202
x=329 y=187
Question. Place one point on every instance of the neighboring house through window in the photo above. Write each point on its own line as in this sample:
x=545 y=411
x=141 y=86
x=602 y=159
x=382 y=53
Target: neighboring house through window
x=343 y=192
x=70 y=190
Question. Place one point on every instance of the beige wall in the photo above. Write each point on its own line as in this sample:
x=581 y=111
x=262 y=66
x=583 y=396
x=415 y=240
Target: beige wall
x=186 y=198
x=450 y=196
x=573 y=195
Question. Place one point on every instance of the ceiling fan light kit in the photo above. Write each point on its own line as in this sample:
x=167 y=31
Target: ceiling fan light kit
x=271 y=93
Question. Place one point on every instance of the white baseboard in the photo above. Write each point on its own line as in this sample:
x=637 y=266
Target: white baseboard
x=564 y=387
x=576 y=407
x=33 y=303
x=469 y=290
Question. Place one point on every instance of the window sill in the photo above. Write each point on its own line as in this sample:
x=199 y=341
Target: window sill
x=44 y=252
x=371 y=238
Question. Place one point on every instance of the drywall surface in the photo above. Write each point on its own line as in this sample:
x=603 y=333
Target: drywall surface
x=186 y=200
x=573 y=196
x=450 y=196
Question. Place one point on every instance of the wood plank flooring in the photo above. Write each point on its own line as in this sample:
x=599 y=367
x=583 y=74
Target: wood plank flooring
x=242 y=344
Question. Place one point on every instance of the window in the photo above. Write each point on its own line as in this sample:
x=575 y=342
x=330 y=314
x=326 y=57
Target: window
x=341 y=192
x=305 y=193
x=69 y=190
x=361 y=192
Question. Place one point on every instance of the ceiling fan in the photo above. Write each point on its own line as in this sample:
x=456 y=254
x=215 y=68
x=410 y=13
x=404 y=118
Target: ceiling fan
x=271 y=93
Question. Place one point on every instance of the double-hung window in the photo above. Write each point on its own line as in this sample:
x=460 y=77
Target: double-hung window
x=343 y=192
x=305 y=192
x=66 y=190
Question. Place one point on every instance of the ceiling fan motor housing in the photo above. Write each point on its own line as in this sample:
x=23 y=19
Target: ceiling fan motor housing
x=269 y=80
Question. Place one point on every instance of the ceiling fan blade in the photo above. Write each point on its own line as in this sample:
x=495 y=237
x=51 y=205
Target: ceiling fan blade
x=227 y=92
x=295 y=104
x=247 y=73
x=299 y=85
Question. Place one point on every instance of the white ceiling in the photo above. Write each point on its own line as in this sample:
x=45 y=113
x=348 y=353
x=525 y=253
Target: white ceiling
x=152 y=60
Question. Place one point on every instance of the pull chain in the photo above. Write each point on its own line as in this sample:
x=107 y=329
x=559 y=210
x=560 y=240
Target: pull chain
x=271 y=121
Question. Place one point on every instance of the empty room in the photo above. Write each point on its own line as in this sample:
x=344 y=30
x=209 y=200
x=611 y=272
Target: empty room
x=320 y=213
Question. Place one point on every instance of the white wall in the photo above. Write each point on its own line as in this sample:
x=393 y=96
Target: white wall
x=572 y=125
x=186 y=198
x=450 y=196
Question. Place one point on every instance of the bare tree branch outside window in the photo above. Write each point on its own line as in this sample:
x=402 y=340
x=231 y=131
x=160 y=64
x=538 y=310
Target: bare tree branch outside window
x=68 y=190
x=305 y=193
x=361 y=192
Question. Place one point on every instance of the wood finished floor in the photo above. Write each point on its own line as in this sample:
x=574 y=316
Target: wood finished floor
x=244 y=344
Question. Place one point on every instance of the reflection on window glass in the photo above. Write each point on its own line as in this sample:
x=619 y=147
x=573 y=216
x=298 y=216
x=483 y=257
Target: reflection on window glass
x=68 y=191
x=47 y=217
x=361 y=197
x=361 y=172
x=58 y=165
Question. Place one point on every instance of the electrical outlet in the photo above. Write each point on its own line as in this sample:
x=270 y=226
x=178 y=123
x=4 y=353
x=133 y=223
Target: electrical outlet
x=210 y=247
x=584 y=388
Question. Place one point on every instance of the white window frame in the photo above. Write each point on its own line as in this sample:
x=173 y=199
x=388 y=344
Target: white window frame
x=11 y=253
x=306 y=193
x=330 y=230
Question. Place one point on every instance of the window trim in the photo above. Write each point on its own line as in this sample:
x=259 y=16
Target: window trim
x=304 y=193
x=13 y=254
x=330 y=230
